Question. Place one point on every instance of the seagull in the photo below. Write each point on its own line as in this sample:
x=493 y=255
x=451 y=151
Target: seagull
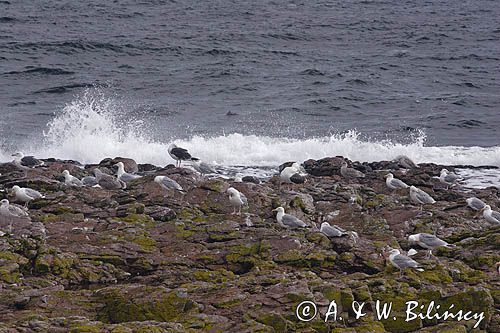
x=287 y=220
x=180 y=154
x=292 y=174
x=25 y=194
x=490 y=215
x=202 y=167
x=71 y=180
x=237 y=200
x=331 y=231
x=89 y=181
x=428 y=241
x=108 y=182
x=475 y=203
x=420 y=197
x=394 y=183
x=168 y=183
x=10 y=210
x=350 y=172
x=124 y=176
x=402 y=262
x=26 y=161
x=448 y=178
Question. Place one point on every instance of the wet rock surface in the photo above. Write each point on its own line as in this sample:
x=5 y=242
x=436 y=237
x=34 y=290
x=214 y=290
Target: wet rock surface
x=145 y=259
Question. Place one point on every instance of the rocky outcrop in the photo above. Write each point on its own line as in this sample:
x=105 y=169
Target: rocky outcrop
x=148 y=260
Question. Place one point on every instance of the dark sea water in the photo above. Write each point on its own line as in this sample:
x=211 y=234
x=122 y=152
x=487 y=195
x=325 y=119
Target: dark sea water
x=365 y=79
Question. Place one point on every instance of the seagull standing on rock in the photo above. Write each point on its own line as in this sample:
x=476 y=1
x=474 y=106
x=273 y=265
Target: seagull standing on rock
x=394 y=183
x=71 y=180
x=448 y=178
x=420 y=197
x=237 y=200
x=428 y=241
x=179 y=154
x=124 y=176
x=287 y=220
x=26 y=195
x=402 y=262
x=347 y=172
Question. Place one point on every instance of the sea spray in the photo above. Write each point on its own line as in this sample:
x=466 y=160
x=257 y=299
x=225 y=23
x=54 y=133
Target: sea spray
x=96 y=125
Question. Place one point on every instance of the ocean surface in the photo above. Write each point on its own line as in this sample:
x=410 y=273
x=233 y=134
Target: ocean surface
x=251 y=83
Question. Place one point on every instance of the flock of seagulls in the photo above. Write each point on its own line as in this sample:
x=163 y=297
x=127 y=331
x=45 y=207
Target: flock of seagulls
x=289 y=174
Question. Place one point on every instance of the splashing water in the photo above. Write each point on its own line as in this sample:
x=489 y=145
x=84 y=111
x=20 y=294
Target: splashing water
x=95 y=126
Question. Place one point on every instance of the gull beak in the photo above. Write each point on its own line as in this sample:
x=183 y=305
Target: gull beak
x=275 y=210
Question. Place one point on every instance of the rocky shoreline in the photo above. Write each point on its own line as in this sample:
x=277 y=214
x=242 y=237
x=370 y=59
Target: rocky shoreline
x=148 y=260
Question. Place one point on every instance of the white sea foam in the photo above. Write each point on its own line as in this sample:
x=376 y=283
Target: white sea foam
x=94 y=127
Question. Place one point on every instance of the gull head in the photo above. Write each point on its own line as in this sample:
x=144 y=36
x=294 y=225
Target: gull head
x=232 y=191
x=65 y=173
x=18 y=154
x=172 y=146
x=15 y=188
x=394 y=252
x=159 y=179
x=486 y=208
x=279 y=210
x=413 y=238
x=389 y=175
x=4 y=202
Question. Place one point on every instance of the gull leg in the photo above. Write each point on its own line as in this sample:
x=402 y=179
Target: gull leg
x=239 y=211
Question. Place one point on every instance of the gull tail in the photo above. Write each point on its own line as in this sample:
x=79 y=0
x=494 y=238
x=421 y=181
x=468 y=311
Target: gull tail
x=420 y=269
x=195 y=159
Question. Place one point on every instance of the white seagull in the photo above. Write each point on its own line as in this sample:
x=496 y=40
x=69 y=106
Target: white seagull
x=475 y=203
x=428 y=241
x=71 y=180
x=448 y=178
x=25 y=194
x=287 y=220
x=124 y=176
x=394 y=183
x=332 y=231
x=402 y=262
x=292 y=174
x=9 y=210
x=168 y=183
x=420 y=197
x=237 y=200
x=490 y=215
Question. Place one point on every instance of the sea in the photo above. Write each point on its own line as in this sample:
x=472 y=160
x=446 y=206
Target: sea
x=248 y=85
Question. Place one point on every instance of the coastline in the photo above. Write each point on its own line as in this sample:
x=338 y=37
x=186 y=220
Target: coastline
x=144 y=258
